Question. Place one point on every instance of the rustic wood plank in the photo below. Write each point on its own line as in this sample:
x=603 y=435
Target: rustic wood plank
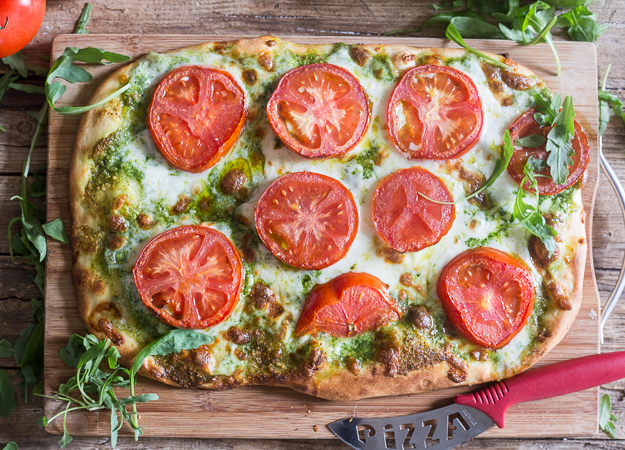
x=292 y=414
x=320 y=18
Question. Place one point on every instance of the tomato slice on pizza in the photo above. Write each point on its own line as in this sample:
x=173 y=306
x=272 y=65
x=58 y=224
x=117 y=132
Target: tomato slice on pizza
x=189 y=276
x=346 y=306
x=406 y=220
x=487 y=295
x=307 y=220
x=319 y=110
x=434 y=112
x=196 y=116
x=525 y=126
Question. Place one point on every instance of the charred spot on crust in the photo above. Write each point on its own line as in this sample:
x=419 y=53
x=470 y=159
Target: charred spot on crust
x=496 y=84
x=247 y=248
x=261 y=295
x=249 y=77
x=352 y=365
x=100 y=147
x=543 y=334
x=275 y=310
x=106 y=327
x=387 y=351
x=408 y=58
x=517 y=81
x=559 y=294
x=405 y=279
x=390 y=255
x=220 y=47
x=237 y=336
x=144 y=221
x=458 y=369
x=117 y=223
x=120 y=201
x=359 y=55
x=449 y=329
x=233 y=181
x=270 y=43
x=266 y=61
x=478 y=355
x=316 y=359
x=181 y=205
x=420 y=317
x=116 y=242
x=540 y=254
x=434 y=59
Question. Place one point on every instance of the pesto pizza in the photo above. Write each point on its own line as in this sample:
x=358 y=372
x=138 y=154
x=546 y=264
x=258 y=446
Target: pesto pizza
x=346 y=220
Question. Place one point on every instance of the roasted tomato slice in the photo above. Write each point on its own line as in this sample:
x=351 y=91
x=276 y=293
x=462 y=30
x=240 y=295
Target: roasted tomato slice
x=487 y=295
x=526 y=125
x=319 y=110
x=307 y=220
x=406 y=220
x=348 y=305
x=196 y=116
x=189 y=276
x=434 y=113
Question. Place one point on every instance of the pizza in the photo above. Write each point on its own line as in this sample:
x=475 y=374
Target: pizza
x=324 y=214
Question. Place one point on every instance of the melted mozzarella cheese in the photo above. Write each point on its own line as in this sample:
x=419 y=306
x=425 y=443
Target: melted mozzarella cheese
x=163 y=184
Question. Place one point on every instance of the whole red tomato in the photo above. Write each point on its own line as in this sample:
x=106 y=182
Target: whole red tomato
x=21 y=20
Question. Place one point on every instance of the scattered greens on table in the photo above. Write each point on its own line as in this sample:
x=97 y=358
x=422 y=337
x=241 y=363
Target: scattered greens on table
x=606 y=418
x=527 y=25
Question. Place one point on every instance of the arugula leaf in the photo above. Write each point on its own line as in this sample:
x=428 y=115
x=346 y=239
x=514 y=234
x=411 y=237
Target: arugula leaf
x=64 y=68
x=83 y=21
x=7 y=396
x=559 y=144
x=547 y=109
x=94 y=388
x=607 y=100
x=10 y=445
x=531 y=141
x=28 y=352
x=583 y=24
x=28 y=88
x=56 y=230
x=500 y=166
x=606 y=418
x=454 y=36
x=6 y=349
x=473 y=27
x=174 y=341
x=17 y=62
x=527 y=215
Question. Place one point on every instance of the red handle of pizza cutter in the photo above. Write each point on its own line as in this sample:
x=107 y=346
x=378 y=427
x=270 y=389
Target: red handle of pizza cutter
x=545 y=382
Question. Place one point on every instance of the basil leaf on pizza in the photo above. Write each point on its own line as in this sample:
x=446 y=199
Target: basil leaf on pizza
x=265 y=212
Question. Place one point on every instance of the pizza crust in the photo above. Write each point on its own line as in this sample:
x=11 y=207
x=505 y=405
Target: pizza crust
x=94 y=294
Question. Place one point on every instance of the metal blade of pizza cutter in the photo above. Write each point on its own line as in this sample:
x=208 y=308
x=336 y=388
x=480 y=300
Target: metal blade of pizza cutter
x=439 y=429
x=620 y=284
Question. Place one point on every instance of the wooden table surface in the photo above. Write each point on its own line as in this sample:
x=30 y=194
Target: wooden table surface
x=330 y=17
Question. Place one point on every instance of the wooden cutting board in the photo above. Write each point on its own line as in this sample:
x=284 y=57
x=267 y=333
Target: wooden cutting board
x=264 y=412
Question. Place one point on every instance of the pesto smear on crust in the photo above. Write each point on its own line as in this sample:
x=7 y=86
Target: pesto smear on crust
x=133 y=194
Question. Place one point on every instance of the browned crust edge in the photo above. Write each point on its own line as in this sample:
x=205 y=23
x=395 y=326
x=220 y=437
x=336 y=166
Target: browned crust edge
x=340 y=384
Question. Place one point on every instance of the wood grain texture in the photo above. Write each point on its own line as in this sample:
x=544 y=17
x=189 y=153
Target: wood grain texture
x=277 y=412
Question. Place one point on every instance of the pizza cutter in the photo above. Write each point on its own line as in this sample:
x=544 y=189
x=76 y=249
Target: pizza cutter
x=472 y=414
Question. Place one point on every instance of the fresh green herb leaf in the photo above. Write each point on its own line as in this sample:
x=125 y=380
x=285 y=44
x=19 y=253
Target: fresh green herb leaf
x=607 y=100
x=548 y=109
x=454 y=36
x=472 y=27
x=56 y=230
x=583 y=24
x=174 y=341
x=29 y=355
x=7 y=396
x=10 y=446
x=94 y=387
x=527 y=215
x=6 y=349
x=2 y=129
x=17 y=62
x=559 y=144
x=64 y=68
x=28 y=88
x=531 y=141
x=83 y=21
x=500 y=166
x=606 y=418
